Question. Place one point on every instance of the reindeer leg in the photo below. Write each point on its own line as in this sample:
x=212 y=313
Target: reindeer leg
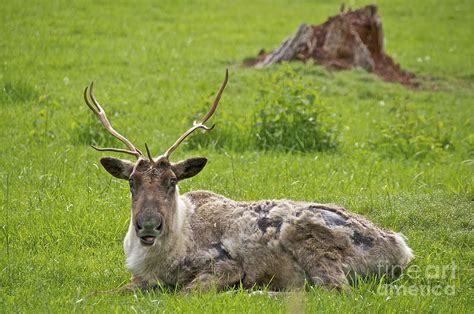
x=134 y=285
x=319 y=251
x=323 y=270
x=329 y=277
x=137 y=283
x=223 y=274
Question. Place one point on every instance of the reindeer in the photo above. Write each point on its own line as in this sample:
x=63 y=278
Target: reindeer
x=202 y=240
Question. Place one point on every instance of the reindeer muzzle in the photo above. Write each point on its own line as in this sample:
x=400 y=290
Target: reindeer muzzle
x=148 y=227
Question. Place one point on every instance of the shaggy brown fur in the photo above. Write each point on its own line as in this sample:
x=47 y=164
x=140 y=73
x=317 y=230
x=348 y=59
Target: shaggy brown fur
x=284 y=243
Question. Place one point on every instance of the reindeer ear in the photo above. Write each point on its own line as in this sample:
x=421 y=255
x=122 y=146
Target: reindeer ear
x=118 y=168
x=188 y=168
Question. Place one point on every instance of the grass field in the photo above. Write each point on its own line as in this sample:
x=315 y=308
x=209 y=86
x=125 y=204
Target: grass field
x=404 y=158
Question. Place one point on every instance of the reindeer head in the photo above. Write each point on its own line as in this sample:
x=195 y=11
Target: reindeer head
x=153 y=181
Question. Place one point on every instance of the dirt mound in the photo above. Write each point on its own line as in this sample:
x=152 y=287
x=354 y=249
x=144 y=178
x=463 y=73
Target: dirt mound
x=348 y=40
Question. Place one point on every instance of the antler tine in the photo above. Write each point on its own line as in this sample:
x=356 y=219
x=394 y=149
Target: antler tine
x=117 y=150
x=149 y=155
x=216 y=100
x=200 y=124
x=97 y=109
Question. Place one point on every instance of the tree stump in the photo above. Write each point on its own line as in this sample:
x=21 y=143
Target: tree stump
x=352 y=39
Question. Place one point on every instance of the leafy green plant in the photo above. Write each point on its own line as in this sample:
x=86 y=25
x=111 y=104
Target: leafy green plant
x=411 y=133
x=292 y=117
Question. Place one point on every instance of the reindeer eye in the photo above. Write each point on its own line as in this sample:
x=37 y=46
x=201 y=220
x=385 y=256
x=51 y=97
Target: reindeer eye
x=132 y=185
x=173 y=182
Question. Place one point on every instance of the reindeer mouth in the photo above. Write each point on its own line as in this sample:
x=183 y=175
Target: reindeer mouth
x=149 y=231
x=148 y=240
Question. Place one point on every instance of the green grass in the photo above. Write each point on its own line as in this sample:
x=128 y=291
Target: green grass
x=63 y=218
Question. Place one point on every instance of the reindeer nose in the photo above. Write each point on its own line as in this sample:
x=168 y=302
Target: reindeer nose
x=149 y=222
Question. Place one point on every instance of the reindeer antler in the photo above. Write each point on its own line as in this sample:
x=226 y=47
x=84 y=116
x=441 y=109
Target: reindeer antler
x=99 y=112
x=200 y=124
x=132 y=150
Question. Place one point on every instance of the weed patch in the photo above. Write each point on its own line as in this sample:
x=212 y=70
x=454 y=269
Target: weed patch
x=292 y=116
x=411 y=133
